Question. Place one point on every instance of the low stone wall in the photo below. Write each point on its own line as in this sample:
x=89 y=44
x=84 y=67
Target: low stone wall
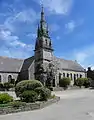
x=28 y=106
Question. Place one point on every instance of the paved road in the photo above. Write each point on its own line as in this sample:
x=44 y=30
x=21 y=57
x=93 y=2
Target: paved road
x=74 y=105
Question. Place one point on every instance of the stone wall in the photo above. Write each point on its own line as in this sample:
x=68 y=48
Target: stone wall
x=28 y=106
x=4 y=76
x=32 y=71
x=69 y=72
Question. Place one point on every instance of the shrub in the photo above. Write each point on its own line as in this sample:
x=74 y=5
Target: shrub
x=86 y=82
x=64 y=82
x=29 y=96
x=80 y=82
x=1 y=86
x=8 y=85
x=12 y=81
x=27 y=85
x=11 y=85
x=43 y=93
x=17 y=104
x=5 y=98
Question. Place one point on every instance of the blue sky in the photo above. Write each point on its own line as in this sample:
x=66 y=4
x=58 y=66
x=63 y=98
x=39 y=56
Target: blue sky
x=71 y=27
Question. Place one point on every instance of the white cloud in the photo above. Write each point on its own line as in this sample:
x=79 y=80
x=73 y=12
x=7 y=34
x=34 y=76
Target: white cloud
x=14 y=44
x=32 y=35
x=85 y=56
x=58 y=6
x=12 y=40
x=10 y=43
x=28 y=15
x=71 y=25
x=14 y=52
x=81 y=56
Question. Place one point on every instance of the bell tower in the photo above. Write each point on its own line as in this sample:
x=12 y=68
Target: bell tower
x=43 y=47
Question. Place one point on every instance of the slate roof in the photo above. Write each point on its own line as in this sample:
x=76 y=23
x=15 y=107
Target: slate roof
x=10 y=64
x=16 y=65
x=63 y=64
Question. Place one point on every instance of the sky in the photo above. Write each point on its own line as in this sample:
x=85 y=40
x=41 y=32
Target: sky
x=71 y=28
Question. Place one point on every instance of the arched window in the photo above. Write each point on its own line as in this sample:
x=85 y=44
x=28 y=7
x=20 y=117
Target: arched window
x=74 y=79
x=0 y=78
x=67 y=74
x=77 y=75
x=80 y=76
x=63 y=74
x=71 y=76
x=9 y=78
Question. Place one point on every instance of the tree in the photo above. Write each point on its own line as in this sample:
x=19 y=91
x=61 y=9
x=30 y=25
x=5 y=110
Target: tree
x=50 y=75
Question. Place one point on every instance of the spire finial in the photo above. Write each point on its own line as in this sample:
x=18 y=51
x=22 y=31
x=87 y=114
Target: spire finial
x=42 y=13
x=42 y=8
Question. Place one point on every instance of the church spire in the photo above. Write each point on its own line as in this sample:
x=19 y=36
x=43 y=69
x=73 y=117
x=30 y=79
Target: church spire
x=42 y=29
x=42 y=14
x=43 y=25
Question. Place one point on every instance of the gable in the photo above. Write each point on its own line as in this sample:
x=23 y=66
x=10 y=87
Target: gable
x=27 y=63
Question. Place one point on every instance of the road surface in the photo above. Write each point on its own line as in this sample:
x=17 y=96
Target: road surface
x=74 y=105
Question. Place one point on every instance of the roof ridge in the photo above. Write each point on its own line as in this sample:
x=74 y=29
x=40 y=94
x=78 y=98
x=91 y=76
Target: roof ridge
x=29 y=58
x=65 y=59
x=11 y=58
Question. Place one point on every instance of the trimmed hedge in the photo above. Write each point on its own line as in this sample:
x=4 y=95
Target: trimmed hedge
x=27 y=85
x=86 y=82
x=5 y=98
x=29 y=96
x=83 y=82
x=64 y=82
x=43 y=93
x=7 y=86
